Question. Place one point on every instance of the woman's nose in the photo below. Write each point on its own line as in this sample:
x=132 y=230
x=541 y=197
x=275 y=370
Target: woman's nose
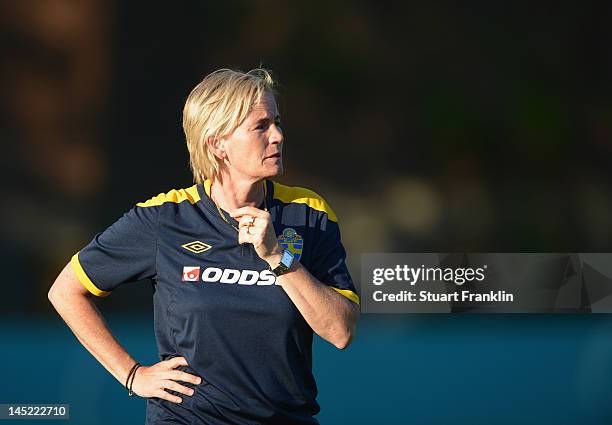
x=276 y=134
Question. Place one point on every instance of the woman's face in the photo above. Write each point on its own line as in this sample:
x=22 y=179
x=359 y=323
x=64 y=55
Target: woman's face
x=254 y=150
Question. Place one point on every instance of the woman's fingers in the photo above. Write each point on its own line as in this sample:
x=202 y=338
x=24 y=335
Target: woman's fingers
x=175 y=362
x=246 y=221
x=177 y=375
x=151 y=381
x=160 y=393
x=175 y=386
x=255 y=227
x=244 y=235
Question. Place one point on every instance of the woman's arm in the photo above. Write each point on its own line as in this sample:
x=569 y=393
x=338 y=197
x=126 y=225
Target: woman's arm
x=331 y=315
x=74 y=304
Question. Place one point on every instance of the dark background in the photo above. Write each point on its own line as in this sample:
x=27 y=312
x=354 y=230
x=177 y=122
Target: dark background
x=433 y=126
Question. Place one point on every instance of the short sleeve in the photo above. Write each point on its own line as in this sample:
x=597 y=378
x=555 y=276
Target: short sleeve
x=329 y=265
x=124 y=252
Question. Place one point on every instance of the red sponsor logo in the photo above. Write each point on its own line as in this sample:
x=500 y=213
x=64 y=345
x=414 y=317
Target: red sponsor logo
x=191 y=274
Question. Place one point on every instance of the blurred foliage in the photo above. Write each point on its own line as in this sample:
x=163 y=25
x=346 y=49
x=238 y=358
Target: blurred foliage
x=436 y=126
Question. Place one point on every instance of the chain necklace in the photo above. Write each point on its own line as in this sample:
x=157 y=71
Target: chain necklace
x=223 y=215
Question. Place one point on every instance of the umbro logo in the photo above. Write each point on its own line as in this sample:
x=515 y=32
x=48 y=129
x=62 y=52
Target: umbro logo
x=197 y=247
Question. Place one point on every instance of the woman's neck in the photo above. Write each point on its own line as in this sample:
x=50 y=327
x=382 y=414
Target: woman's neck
x=232 y=194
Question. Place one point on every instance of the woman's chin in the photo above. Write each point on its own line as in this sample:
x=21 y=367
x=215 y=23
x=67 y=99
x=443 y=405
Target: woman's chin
x=274 y=171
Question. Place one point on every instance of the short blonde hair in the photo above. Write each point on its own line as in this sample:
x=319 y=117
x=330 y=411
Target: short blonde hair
x=214 y=108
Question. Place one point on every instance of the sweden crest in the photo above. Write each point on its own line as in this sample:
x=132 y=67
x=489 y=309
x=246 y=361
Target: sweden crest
x=292 y=241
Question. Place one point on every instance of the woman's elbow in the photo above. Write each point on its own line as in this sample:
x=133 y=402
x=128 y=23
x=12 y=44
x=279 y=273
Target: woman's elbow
x=52 y=295
x=344 y=336
x=343 y=341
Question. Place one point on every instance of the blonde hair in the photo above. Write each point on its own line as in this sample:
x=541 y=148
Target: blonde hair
x=214 y=108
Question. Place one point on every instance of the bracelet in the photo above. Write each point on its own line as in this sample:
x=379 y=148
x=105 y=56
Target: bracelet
x=132 y=375
x=130 y=392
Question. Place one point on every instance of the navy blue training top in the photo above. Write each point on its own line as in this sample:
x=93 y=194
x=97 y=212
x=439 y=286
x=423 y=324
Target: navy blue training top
x=217 y=304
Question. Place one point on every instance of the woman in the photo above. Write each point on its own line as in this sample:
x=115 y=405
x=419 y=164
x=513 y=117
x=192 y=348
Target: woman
x=244 y=270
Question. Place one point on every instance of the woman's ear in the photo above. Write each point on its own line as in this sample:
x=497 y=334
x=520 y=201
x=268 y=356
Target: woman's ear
x=217 y=146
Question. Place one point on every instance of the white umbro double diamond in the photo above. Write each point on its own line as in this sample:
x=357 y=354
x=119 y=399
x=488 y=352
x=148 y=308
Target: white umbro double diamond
x=197 y=247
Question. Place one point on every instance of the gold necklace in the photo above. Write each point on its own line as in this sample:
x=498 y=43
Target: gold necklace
x=223 y=215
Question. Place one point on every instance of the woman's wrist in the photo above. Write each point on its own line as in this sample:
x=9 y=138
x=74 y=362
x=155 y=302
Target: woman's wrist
x=129 y=381
x=274 y=259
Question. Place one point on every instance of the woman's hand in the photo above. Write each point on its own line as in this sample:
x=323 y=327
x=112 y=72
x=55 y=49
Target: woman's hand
x=255 y=227
x=152 y=381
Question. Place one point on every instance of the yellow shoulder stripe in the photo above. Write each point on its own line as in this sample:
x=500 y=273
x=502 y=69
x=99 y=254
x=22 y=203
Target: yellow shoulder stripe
x=299 y=195
x=348 y=294
x=207 y=185
x=175 y=195
x=84 y=279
